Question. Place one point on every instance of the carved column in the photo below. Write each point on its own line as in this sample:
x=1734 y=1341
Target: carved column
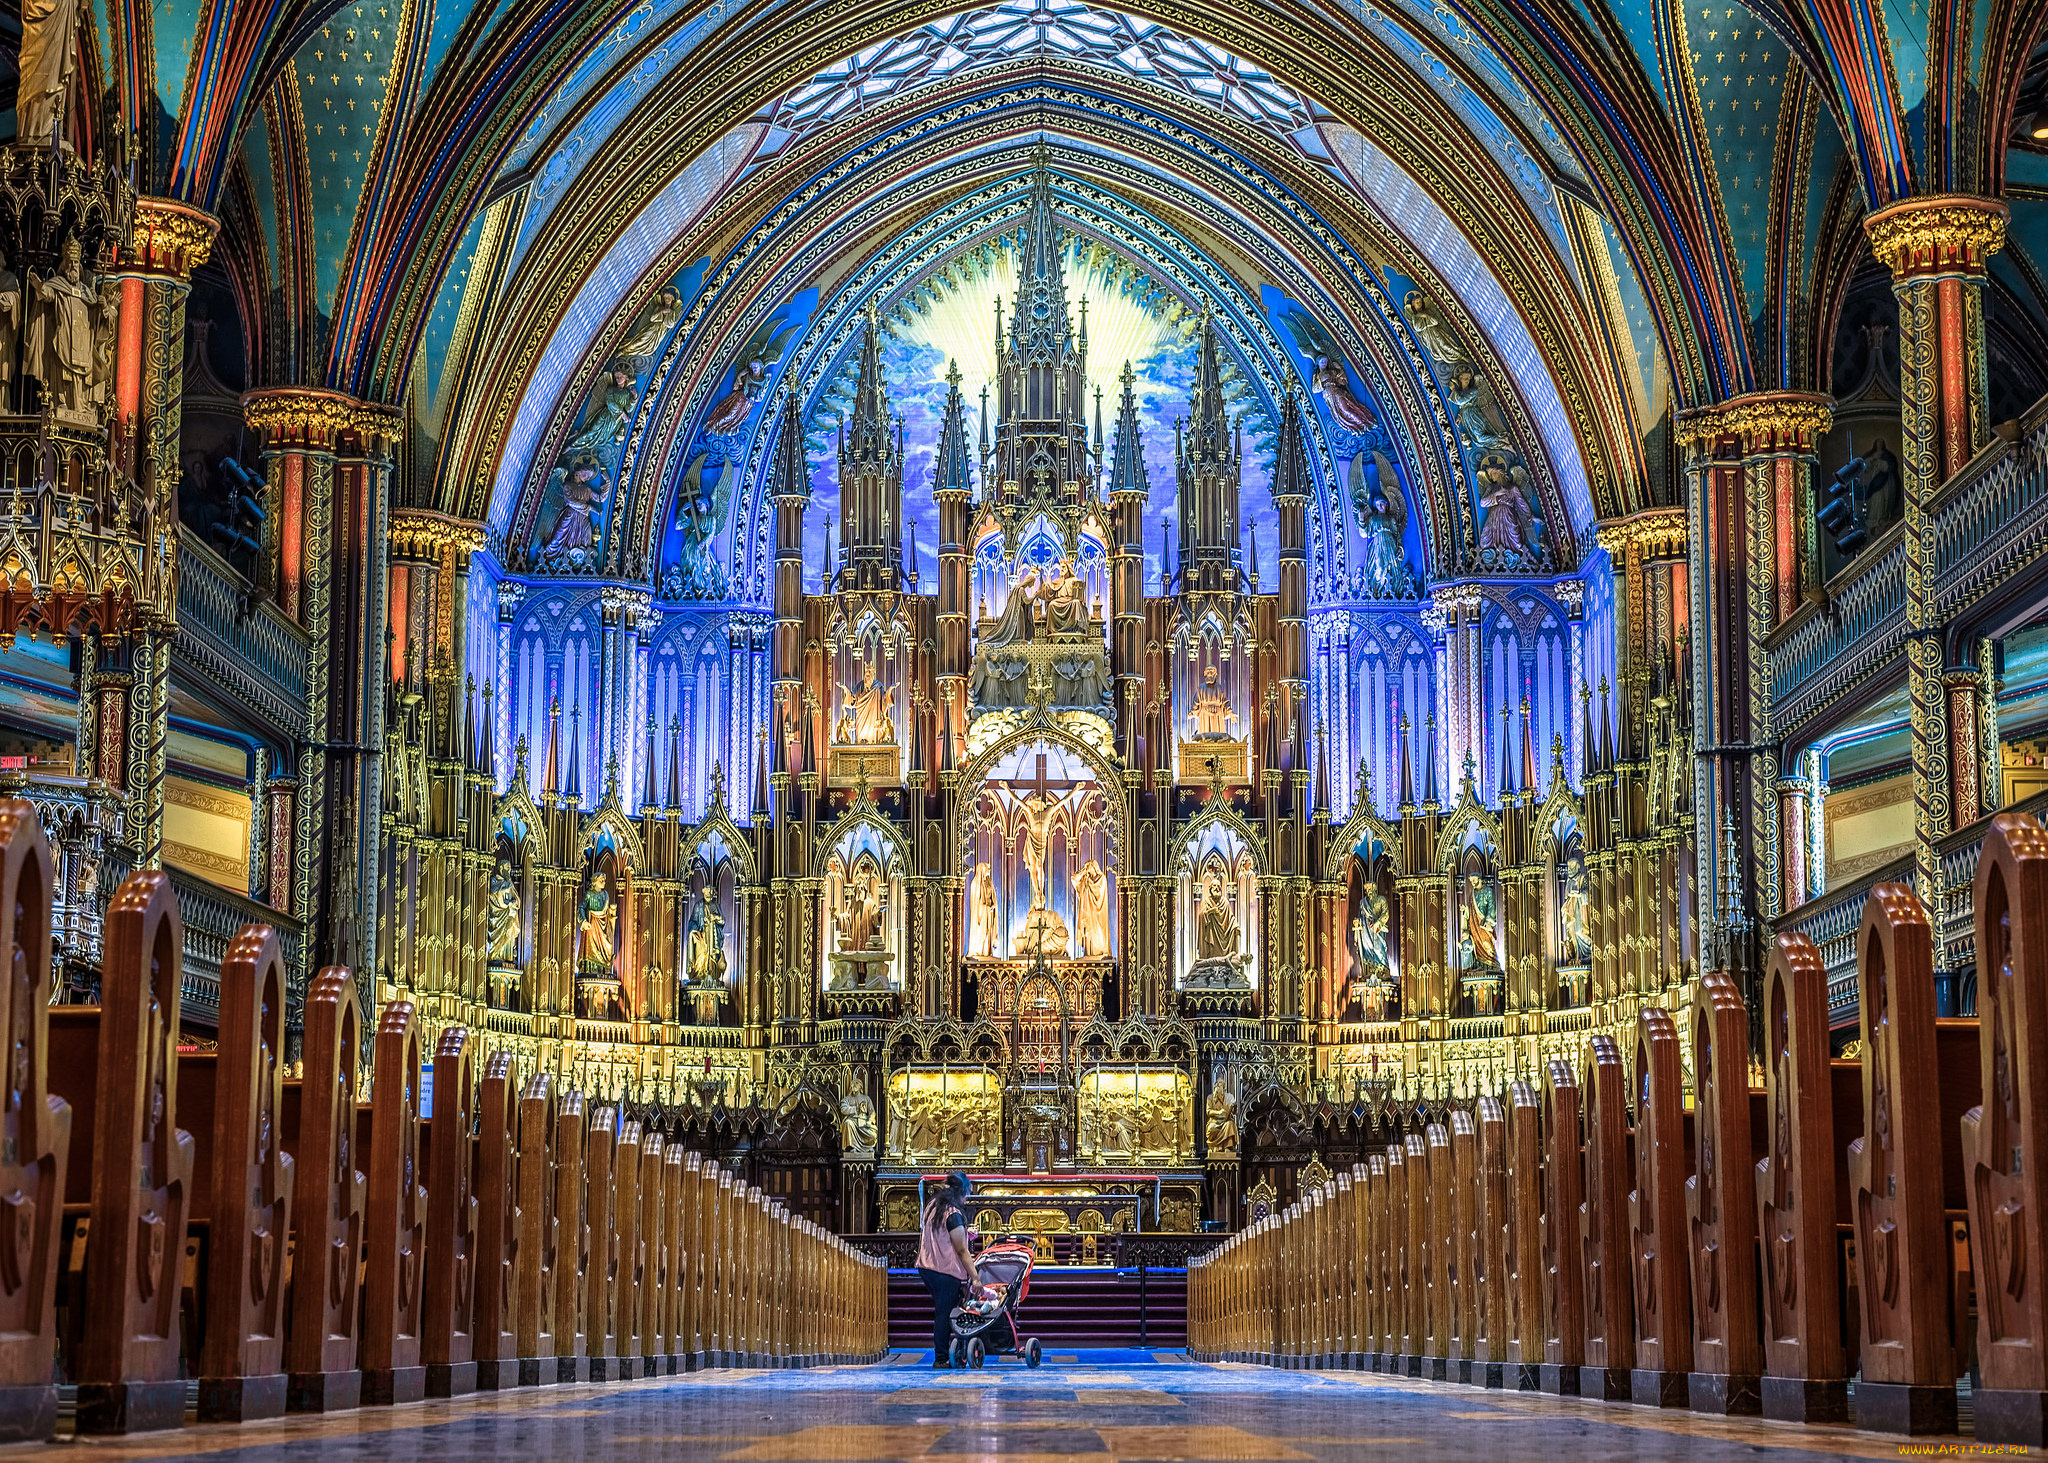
x=298 y=428
x=1779 y=433
x=1794 y=839
x=1936 y=248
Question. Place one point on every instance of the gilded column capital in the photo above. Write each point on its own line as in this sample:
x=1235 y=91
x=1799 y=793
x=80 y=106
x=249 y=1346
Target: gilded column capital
x=305 y=418
x=420 y=533
x=1940 y=234
x=379 y=427
x=168 y=237
x=1778 y=422
x=1655 y=533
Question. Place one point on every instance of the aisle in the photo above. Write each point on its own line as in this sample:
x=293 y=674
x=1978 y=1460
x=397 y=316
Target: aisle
x=1101 y=1407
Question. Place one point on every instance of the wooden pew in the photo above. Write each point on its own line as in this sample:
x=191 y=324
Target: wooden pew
x=535 y=1271
x=35 y=1135
x=1525 y=1305
x=2005 y=1139
x=690 y=1325
x=141 y=1168
x=1436 y=1143
x=320 y=1352
x=1720 y=1206
x=1351 y=1276
x=1564 y=1313
x=1404 y=1271
x=1467 y=1276
x=1656 y=1213
x=626 y=1260
x=1895 y=1173
x=396 y=1217
x=498 y=1227
x=1489 y=1249
x=1805 y=1372
x=571 y=1270
x=448 y=1301
x=676 y=1343
x=1603 y=1232
x=653 y=1291
x=1377 y=1308
x=246 y=1186
x=601 y=1291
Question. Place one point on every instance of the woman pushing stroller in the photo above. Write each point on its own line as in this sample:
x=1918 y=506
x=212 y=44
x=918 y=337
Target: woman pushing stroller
x=945 y=1261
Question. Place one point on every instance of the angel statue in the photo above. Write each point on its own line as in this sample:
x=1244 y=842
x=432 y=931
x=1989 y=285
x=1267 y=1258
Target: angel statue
x=1509 y=533
x=700 y=512
x=662 y=312
x=583 y=489
x=606 y=426
x=1383 y=518
x=1329 y=378
x=1432 y=330
x=749 y=379
x=1465 y=390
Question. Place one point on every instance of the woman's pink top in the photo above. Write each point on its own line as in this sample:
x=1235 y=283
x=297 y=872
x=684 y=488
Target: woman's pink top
x=935 y=1244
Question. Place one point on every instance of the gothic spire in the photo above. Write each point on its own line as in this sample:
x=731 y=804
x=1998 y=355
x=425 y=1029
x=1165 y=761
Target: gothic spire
x=1127 y=458
x=1209 y=438
x=647 y=787
x=954 y=465
x=573 y=791
x=1041 y=312
x=789 y=474
x=675 y=763
x=1291 y=476
x=869 y=429
x=551 y=768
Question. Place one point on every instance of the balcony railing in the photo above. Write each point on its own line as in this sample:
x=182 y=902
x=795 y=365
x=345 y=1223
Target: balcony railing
x=1988 y=524
x=243 y=645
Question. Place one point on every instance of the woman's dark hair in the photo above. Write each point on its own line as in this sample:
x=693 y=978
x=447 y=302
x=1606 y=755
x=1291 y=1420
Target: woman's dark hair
x=958 y=1187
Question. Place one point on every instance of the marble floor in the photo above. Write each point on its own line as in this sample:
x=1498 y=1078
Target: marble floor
x=1088 y=1407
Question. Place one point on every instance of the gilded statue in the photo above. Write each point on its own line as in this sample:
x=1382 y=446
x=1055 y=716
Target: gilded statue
x=1211 y=716
x=1480 y=940
x=662 y=312
x=60 y=333
x=1065 y=600
x=1216 y=929
x=600 y=920
x=10 y=331
x=1091 y=903
x=1432 y=330
x=1576 y=944
x=857 y=1124
x=1045 y=932
x=860 y=916
x=705 y=962
x=981 y=939
x=1369 y=933
x=48 y=51
x=1221 y=1131
x=504 y=917
x=866 y=716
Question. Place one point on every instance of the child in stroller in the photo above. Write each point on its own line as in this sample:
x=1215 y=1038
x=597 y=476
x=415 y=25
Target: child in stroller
x=985 y=1321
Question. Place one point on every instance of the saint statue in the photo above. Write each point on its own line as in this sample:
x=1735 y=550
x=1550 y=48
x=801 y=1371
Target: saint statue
x=1091 y=900
x=1017 y=625
x=1210 y=718
x=1330 y=381
x=665 y=310
x=857 y=1124
x=866 y=717
x=600 y=918
x=1065 y=596
x=860 y=919
x=706 y=959
x=504 y=923
x=10 y=331
x=1479 y=935
x=48 y=31
x=1576 y=946
x=1222 y=1125
x=1216 y=930
x=981 y=939
x=1369 y=933
x=607 y=425
x=60 y=333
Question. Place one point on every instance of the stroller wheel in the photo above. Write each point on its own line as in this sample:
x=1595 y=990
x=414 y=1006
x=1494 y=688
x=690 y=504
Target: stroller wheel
x=975 y=1354
x=958 y=1355
x=1031 y=1352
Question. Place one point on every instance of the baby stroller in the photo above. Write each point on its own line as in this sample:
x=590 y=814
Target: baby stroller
x=988 y=1323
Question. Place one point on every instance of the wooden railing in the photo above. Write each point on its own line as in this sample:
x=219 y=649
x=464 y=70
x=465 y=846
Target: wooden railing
x=1594 y=1236
x=439 y=1230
